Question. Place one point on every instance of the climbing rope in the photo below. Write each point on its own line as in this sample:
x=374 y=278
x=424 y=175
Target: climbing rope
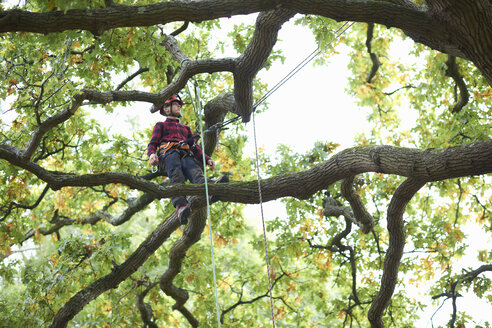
x=301 y=65
x=296 y=69
x=218 y=127
x=199 y=110
x=263 y=222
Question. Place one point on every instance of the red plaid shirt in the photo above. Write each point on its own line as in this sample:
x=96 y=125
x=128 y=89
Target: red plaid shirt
x=172 y=130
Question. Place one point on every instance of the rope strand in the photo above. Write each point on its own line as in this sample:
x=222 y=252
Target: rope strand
x=301 y=65
x=198 y=109
x=263 y=223
x=261 y=100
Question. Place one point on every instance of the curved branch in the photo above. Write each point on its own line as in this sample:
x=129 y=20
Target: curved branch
x=398 y=89
x=131 y=77
x=244 y=67
x=452 y=71
x=177 y=253
x=181 y=29
x=335 y=245
x=396 y=230
x=255 y=56
x=48 y=124
x=362 y=217
x=254 y=299
x=374 y=57
x=12 y=205
x=145 y=309
x=453 y=294
x=215 y=112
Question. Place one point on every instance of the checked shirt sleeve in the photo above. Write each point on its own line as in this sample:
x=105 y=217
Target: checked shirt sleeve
x=154 y=140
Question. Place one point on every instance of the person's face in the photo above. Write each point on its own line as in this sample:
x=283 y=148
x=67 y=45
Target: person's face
x=173 y=107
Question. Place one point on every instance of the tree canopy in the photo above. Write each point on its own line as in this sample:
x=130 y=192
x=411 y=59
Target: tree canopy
x=90 y=239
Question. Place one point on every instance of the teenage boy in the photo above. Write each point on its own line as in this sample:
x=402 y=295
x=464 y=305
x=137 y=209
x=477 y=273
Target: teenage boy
x=172 y=146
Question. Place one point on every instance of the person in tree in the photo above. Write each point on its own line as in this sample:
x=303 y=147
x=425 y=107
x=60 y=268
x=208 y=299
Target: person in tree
x=172 y=147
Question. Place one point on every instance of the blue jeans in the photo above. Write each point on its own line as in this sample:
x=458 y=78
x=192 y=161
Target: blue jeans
x=181 y=169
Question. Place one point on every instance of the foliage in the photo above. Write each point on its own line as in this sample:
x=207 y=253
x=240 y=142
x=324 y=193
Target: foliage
x=55 y=243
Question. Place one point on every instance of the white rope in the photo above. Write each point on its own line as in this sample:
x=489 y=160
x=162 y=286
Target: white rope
x=263 y=223
x=198 y=110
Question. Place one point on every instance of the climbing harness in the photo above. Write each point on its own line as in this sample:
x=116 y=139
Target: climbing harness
x=183 y=150
x=198 y=110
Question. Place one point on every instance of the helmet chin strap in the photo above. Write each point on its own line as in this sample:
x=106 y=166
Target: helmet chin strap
x=171 y=112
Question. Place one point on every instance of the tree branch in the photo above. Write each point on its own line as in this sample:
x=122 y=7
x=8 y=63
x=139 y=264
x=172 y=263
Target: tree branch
x=131 y=77
x=453 y=293
x=250 y=301
x=177 y=253
x=362 y=217
x=100 y=20
x=118 y=274
x=8 y=208
x=244 y=67
x=453 y=72
x=48 y=124
x=373 y=56
x=145 y=309
x=255 y=56
x=396 y=230
x=426 y=165
x=448 y=32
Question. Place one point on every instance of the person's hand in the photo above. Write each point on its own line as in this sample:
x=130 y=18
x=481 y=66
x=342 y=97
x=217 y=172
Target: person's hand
x=211 y=163
x=153 y=160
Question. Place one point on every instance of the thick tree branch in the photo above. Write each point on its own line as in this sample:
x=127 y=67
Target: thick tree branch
x=453 y=28
x=244 y=67
x=100 y=20
x=396 y=230
x=118 y=274
x=177 y=253
x=427 y=165
x=255 y=56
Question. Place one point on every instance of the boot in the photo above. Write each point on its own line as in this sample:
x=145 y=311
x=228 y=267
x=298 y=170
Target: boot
x=222 y=179
x=183 y=213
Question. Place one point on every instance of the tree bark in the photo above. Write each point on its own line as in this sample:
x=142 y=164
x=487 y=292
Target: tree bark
x=459 y=28
x=427 y=165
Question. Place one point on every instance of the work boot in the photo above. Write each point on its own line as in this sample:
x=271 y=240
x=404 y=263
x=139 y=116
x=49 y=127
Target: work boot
x=222 y=179
x=183 y=213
